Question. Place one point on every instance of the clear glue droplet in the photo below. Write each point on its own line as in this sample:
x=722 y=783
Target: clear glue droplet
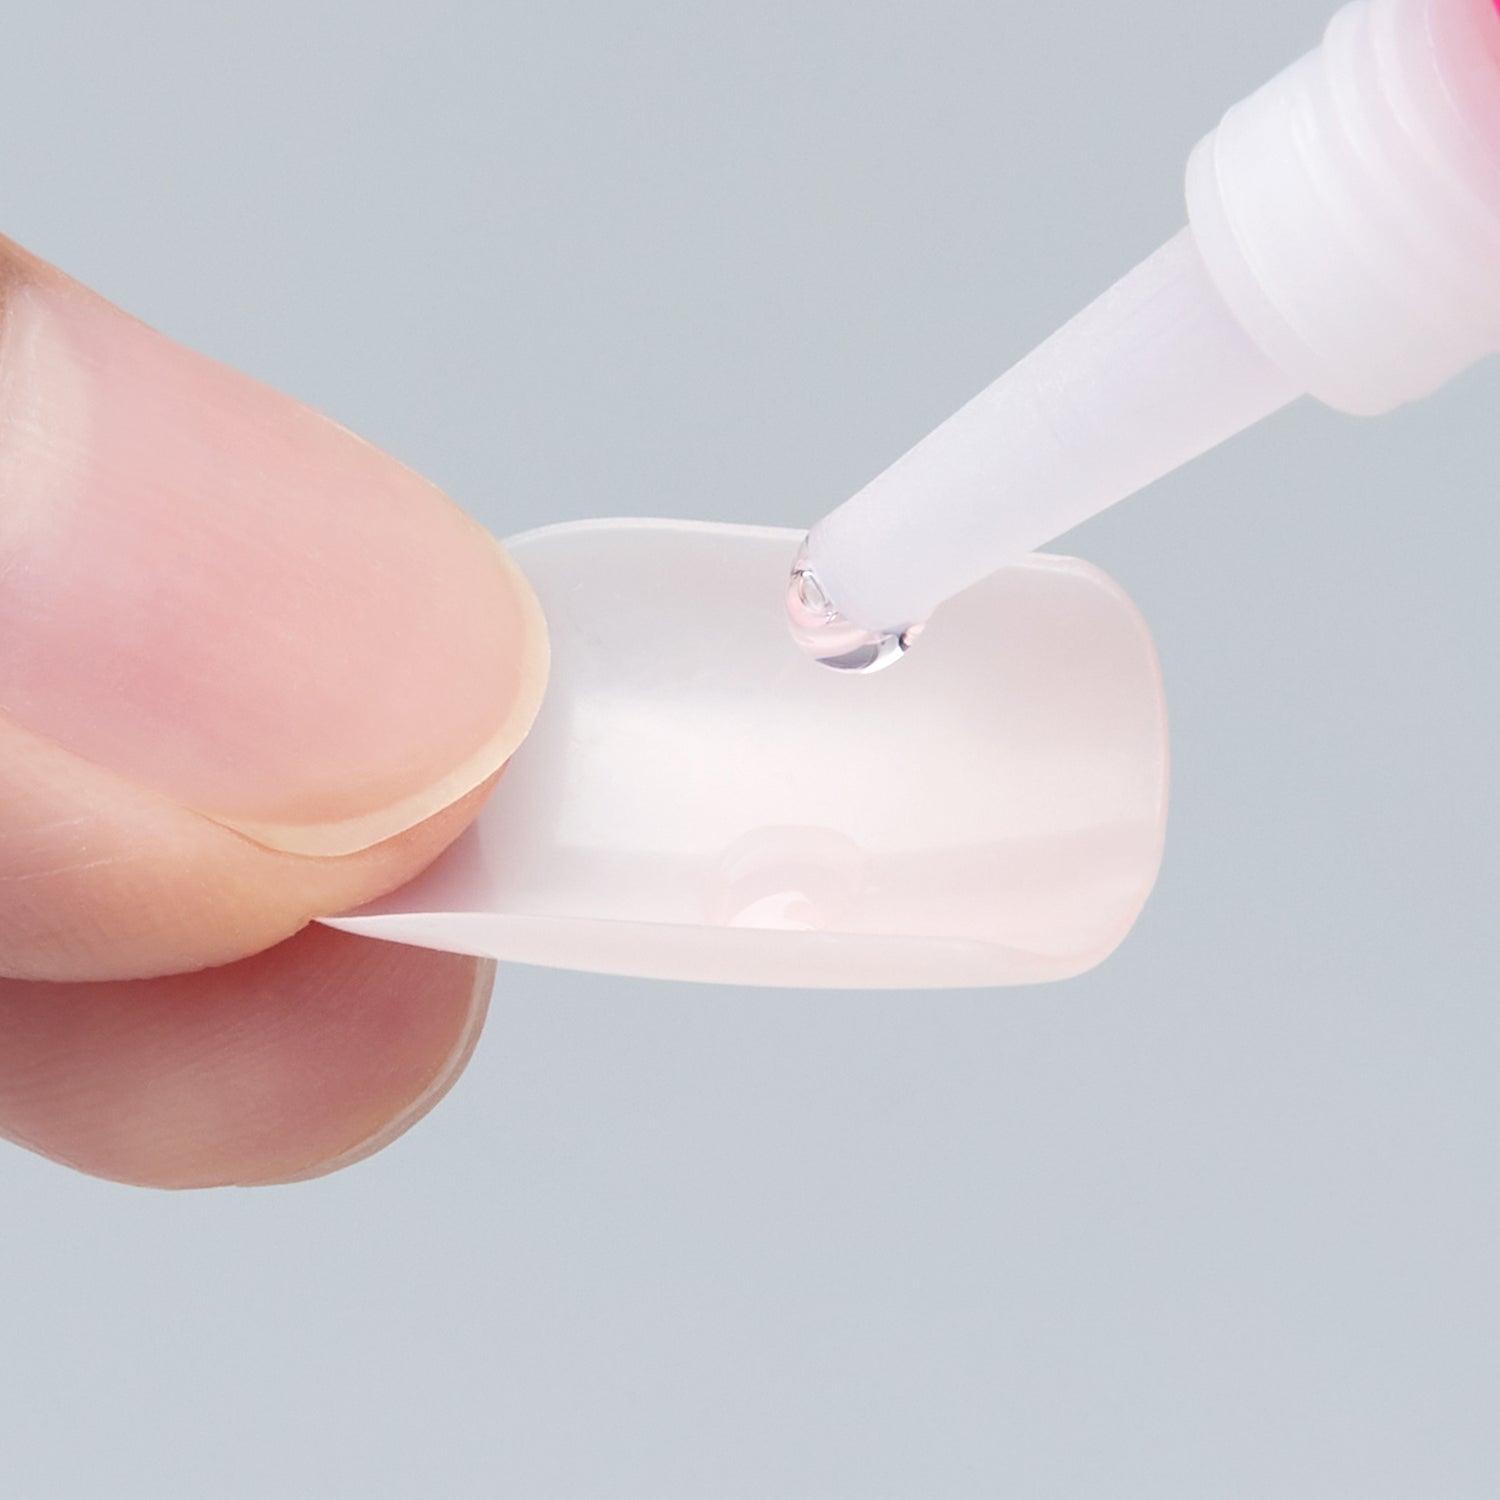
x=822 y=631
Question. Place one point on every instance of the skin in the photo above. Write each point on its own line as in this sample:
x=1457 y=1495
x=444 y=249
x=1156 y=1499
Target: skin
x=251 y=671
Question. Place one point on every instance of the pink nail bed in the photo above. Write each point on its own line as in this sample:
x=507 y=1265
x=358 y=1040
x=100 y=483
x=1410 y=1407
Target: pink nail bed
x=698 y=800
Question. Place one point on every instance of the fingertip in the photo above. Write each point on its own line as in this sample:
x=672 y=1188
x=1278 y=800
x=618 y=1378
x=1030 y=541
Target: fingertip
x=419 y=1107
x=284 y=1066
x=101 y=880
x=229 y=600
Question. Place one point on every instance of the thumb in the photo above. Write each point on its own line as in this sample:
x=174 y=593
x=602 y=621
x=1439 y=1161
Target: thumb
x=250 y=667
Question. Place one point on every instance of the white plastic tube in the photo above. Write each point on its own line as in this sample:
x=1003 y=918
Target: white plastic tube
x=1343 y=241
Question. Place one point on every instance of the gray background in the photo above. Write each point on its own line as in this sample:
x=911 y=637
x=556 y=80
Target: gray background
x=1218 y=1219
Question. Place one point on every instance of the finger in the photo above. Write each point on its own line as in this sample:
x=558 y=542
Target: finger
x=290 y=1064
x=101 y=880
x=231 y=632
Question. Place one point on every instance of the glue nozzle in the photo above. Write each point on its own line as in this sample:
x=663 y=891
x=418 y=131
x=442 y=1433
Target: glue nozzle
x=1343 y=241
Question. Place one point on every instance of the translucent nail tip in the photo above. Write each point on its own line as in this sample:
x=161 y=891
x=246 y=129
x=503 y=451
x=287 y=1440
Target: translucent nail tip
x=698 y=800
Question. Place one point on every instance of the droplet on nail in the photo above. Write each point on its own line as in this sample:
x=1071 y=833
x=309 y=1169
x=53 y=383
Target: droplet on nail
x=828 y=637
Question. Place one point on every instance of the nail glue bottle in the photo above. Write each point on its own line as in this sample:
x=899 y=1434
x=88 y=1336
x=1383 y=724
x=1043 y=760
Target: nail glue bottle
x=1343 y=241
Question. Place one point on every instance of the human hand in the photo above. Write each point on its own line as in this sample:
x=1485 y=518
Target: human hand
x=251 y=671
